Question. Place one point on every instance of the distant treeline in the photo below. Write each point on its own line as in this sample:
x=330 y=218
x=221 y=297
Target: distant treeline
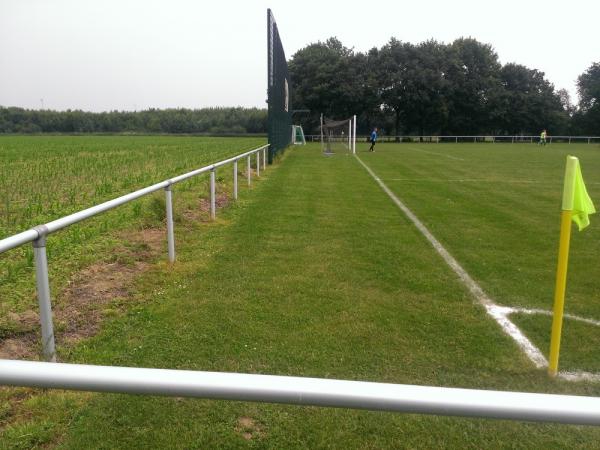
x=434 y=88
x=206 y=120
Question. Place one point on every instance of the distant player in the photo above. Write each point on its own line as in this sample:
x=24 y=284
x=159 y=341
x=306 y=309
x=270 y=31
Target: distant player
x=543 y=138
x=373 y=139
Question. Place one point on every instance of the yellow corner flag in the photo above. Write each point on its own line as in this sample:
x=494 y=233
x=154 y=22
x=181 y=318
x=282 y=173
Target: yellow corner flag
x=576 y=206
x=582 y=203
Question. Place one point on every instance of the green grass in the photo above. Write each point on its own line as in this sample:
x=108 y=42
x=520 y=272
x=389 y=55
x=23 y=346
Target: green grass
x=317 y=273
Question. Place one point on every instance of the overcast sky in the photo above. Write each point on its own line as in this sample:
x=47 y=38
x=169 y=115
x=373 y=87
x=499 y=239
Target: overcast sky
x=136 y=54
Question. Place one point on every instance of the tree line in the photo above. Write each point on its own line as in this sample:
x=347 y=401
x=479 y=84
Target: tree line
x=432 y=88
x=207 y=120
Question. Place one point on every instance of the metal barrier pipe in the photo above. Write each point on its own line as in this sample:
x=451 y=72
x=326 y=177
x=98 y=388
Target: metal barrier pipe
x=305 y=391
x=43 y=293
x=249 y=171
x=212 y=194
x=170 y=231
x=235 y=179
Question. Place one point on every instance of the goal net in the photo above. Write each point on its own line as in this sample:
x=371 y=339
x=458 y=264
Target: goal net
x=338 y=136
x=298 y=135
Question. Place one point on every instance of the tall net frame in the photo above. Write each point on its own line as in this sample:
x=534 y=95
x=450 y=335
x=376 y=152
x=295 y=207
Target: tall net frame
x=278 y=91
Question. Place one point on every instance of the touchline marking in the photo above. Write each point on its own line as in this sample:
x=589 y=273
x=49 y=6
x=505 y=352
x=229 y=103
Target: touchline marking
x=499 y=313
x=470 y=180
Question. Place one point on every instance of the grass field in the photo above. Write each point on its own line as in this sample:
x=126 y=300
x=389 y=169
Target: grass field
x=317 y=273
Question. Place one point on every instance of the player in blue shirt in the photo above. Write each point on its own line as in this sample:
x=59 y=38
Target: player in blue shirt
x=373 y=139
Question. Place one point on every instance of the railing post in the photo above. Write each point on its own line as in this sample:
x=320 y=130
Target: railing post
x=264 y=152
x=212 y=194
x=43 y=293
x=235 y=180
x=257 y=164
x=249 y=171
x=170 y=232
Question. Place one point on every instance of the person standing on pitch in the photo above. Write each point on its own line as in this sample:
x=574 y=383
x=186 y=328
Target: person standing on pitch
x=373 y=139
x=543 y=138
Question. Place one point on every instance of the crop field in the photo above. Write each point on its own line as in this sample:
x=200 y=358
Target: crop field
x=44 y=178
x=314 y=272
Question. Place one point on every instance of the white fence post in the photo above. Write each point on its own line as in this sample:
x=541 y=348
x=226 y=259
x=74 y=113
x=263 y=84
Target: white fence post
x=257 y=164
x=43 y=293
x=235 y=180
x=212 y=194
x=249 y=170
x=264 y=156
x=170 y=232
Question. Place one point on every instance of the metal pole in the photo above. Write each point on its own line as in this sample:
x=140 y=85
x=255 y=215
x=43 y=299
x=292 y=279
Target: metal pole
x=235 y=180
x=354 y=135
x=350 y=135
x=322 y=142
x=249 y=171
x=264 y=154
x=170 y=233
x=574 y=409
x=257 y=164
x=43 y=292
x=212 y=195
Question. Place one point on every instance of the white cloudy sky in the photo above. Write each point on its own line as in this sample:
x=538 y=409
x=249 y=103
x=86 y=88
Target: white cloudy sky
x=135 y=54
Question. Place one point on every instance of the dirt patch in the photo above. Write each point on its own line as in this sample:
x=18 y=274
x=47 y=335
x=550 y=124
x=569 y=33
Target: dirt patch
x=79 y=314
x=79 y=309
x=249 y=428
x=202 y=213
x=21 y=347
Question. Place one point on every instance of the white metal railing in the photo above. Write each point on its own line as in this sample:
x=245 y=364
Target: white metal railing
x=38 y=235
x=481 y=138
x=305 y=391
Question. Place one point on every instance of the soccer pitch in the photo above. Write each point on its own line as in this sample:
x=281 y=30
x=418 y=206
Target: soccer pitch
x=495 y=208
x=316 y=272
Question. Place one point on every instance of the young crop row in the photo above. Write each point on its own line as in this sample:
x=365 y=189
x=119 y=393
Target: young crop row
x=44 y=178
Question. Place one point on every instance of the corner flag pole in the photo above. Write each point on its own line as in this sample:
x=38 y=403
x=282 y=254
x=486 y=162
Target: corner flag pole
x=574 y=198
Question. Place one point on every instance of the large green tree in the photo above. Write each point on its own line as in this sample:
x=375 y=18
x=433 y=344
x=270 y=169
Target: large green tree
x=588 y=87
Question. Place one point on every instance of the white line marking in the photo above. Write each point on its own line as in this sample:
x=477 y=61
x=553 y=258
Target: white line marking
x=475 y=180
x=499 y=313
x=435 y=153
x=545 y=312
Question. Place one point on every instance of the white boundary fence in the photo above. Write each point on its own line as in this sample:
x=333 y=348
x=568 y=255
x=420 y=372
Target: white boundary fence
x=38 y=235
x=475 y=139
x=305 y=391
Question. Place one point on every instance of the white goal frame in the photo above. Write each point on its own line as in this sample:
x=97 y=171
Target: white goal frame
x=295 y=141
x=351 y=133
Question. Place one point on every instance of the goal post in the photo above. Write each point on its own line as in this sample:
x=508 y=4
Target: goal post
x=338 y=136
x=298 y=135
